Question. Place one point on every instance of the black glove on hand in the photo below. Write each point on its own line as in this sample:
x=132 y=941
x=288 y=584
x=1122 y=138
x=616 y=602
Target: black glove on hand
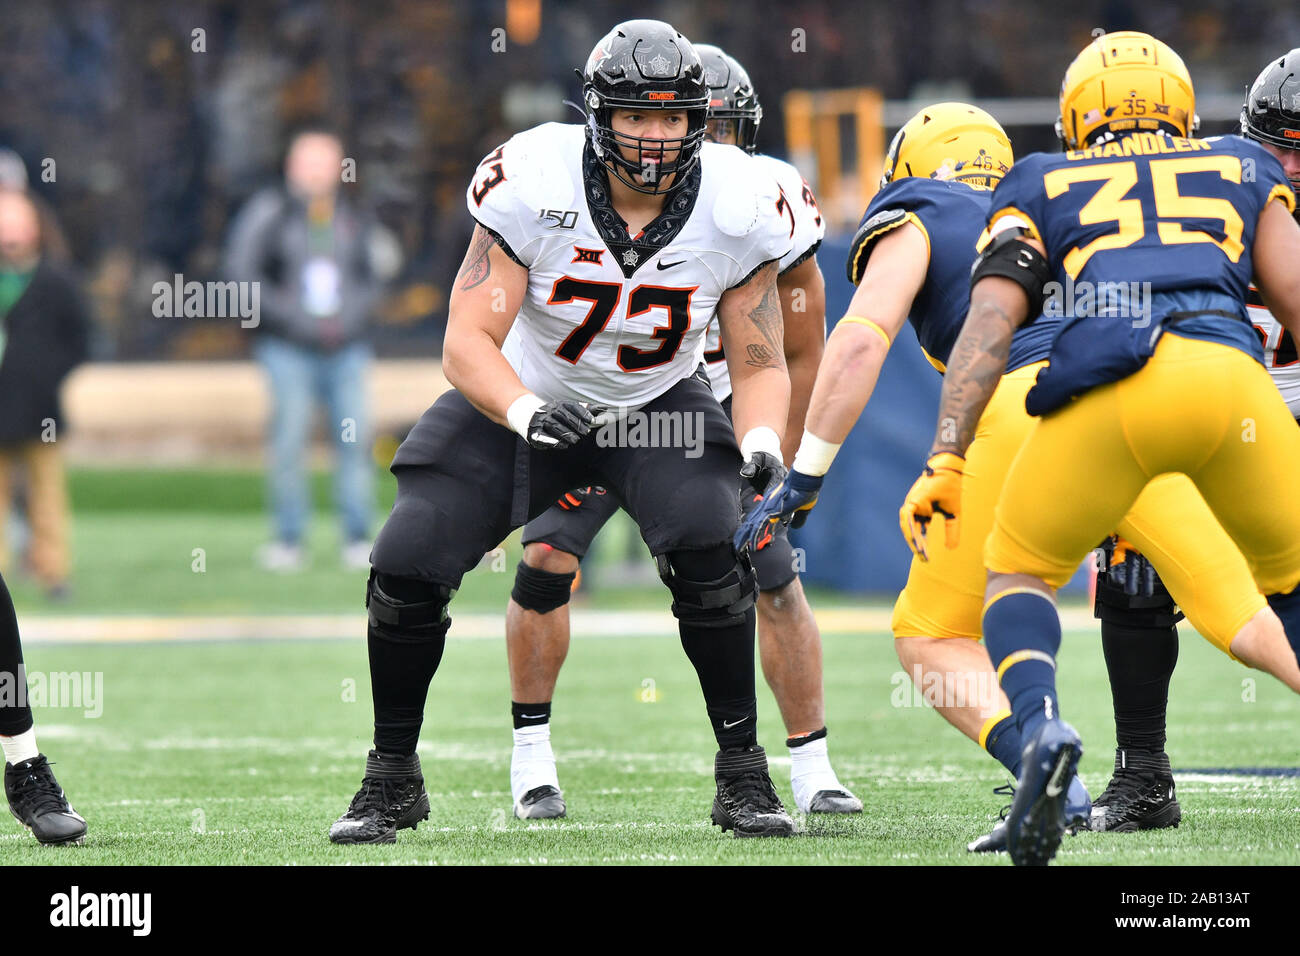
x=764 y=471
x=1127 y=568
x=562 y=424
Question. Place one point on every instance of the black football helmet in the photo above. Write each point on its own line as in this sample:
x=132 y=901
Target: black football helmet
x=645 y=65
x=731 y=95
x=1271 y=113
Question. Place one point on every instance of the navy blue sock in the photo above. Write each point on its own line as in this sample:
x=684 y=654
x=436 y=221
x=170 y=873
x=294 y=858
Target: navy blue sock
x=1003 y=743
x=1287 y=608
x=1022 y=633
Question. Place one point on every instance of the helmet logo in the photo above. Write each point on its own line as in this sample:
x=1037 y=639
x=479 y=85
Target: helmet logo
x=659 y=95
x=659 y=65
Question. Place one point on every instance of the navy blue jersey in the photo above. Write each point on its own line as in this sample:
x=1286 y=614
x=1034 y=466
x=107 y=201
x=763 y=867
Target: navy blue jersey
x=1145 y=234
x=952 y=216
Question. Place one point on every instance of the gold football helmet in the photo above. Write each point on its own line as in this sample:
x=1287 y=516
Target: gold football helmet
x=1125 y=81
x=950 y=141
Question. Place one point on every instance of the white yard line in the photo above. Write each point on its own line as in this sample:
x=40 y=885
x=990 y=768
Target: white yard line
x=112 y=629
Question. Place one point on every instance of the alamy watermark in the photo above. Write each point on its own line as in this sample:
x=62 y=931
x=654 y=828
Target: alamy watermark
x=946 y=689
x=1121 y=300
x=624 y=428
x=179 y=299
x=83 y=690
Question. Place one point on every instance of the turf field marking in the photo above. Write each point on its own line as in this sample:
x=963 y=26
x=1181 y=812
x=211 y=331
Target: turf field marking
x=1217 y=774
x=130 y=629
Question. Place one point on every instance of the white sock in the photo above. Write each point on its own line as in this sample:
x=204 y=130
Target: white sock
x=20 y=747
x=532 y=763
x=810 y=772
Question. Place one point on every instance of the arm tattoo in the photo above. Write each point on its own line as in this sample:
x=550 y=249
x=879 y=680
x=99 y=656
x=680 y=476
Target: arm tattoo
x=477 y=266
x=766 y=317
x=760 y=356
x=977 y=363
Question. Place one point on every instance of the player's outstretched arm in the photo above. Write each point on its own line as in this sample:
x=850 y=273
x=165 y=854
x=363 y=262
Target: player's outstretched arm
x=749 y=317
x=845 y=379
x=1275 y=254
x=803 y=306
x=998 y=306
x=857 y=347
x=487 y=294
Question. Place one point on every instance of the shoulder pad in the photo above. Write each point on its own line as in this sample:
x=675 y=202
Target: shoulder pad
x=533 y=169
x=880 y=222
x=747 y=194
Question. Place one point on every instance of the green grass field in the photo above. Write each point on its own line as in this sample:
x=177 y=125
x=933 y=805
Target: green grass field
x=218 y=752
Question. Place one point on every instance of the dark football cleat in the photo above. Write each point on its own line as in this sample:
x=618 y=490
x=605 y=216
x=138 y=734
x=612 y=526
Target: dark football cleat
x=391 y=798
x=834 y=801
x=1036 y=820
x=540 y=803
x=746 y=801
x=37 y=802
x=1078 y=805
x=995 y=841
x=1140 y=795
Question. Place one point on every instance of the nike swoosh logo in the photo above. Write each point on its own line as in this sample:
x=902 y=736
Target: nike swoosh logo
x=1057 y=781
x=661 y=265
x=728 y=724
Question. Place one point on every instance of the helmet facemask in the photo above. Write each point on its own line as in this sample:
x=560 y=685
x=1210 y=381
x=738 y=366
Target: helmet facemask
x=644 y=173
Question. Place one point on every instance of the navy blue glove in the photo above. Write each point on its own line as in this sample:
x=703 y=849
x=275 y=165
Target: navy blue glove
x=788 y=504
x=1126 y=568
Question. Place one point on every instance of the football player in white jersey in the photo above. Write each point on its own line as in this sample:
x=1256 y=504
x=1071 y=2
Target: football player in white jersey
x=537 y=632
x=1140 y=795
x=1271 y=117
x=610 y=247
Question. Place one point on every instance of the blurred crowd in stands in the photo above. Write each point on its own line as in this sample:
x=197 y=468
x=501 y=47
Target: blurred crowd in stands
x=145 y=126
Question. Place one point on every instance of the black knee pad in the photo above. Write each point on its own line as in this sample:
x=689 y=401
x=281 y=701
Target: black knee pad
x=541 y=591
x=704 y=600
x=1114 y=606
x=408 y=610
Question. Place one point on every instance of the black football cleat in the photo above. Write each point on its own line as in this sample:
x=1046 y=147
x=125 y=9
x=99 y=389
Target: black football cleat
x=391 y=798
x=37 y=802
x=540 y=803
x=746 y=801
x=1078 y=805
x=1140 y=795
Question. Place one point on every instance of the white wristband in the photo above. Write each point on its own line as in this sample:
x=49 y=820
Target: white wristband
x=761 y=438
x=521 y=411
x=814 y=456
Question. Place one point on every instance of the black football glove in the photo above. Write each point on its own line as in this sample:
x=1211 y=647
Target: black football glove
x=1126 y=568
x=764 y=471
x=562 y=424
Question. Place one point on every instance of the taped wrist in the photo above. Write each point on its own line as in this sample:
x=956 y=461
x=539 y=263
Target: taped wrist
x=1009 y=256
x=541 y=591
